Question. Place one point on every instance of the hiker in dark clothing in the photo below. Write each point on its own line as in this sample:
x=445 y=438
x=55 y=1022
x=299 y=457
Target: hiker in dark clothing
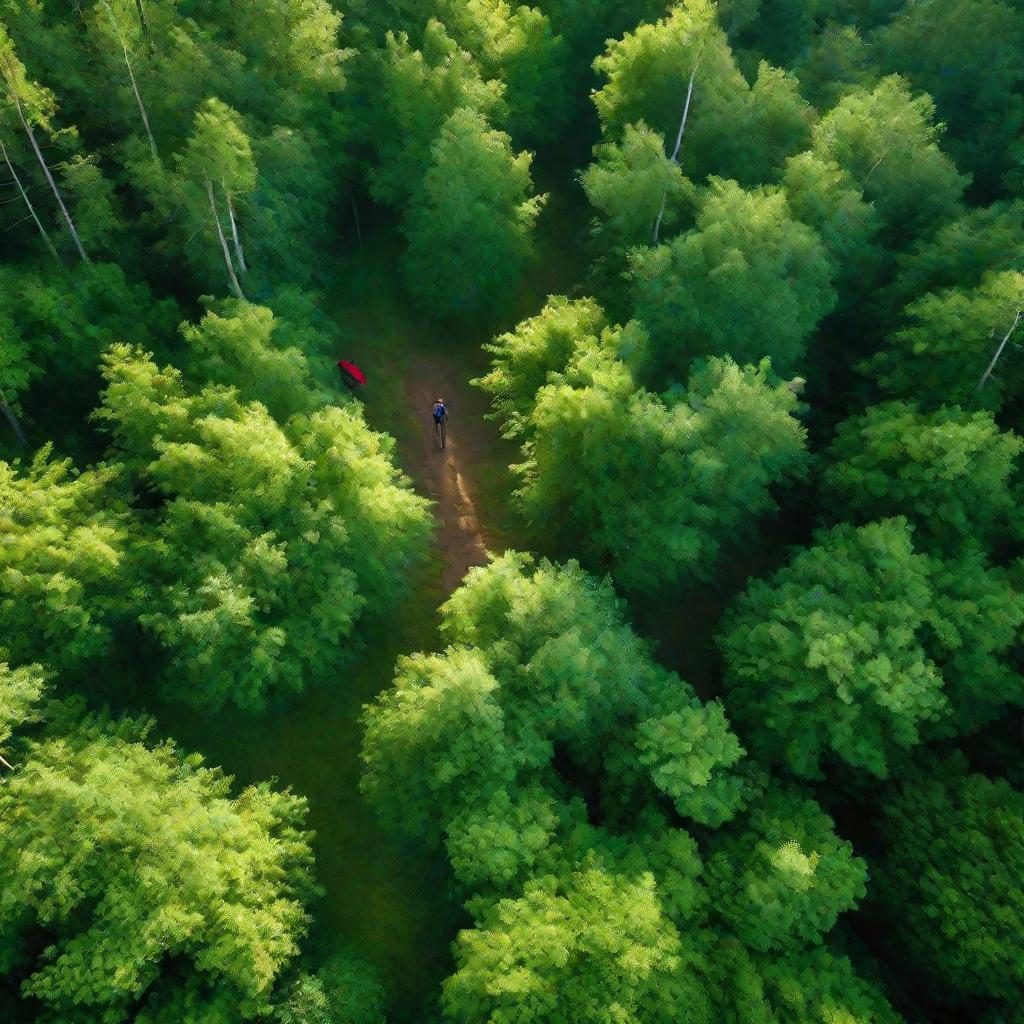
x=440 y=423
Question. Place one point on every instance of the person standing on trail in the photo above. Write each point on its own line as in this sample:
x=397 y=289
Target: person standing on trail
x=440 y=423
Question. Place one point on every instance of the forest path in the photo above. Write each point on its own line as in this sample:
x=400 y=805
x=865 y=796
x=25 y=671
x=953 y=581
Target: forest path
x=447 y=475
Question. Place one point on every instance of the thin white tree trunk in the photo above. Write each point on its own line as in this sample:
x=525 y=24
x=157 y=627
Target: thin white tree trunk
x=7 y=764
x=675 y=152
x=234 y=231
x=235 y=286
x=28 y=203
x=13 y=420
x=131 y=76
x=999 y=351
x=46 y=170
x=145 y=25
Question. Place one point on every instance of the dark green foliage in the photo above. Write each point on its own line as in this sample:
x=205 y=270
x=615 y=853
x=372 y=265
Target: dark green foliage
x=948 y=881
x=54 y=329
x=968 y=55
x=345 y=990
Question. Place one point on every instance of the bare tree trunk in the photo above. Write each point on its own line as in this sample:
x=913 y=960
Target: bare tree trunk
x=13 y=420
x=46 y=170
x=234 y=231
x=7 y=764
x=235 y=286
x=999 y=351
x=355 y=213
x=28 y=203
x=675 y=152
x=144 y=25
x=131 y=76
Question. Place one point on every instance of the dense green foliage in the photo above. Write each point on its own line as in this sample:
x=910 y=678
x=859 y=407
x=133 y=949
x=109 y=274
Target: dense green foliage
x=767 y=262
x=540 y=745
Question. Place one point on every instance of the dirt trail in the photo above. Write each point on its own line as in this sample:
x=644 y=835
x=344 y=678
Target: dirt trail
x=447 y=475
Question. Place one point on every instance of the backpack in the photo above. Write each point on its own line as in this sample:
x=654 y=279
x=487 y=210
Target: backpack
x=439 y=413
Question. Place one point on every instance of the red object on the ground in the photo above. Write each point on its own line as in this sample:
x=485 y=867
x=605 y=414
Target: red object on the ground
x=352 y=371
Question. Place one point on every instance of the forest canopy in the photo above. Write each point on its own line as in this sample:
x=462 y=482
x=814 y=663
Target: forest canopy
x=679 y=679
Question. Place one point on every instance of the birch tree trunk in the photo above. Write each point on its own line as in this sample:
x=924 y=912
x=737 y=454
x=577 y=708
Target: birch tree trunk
x=144 y=25
x=234 y=231
x=13 y=420
x=46 y=170
x=675 y=152
x=999 y=351
x=131 y=76
x=28 y=203
x=235 y=286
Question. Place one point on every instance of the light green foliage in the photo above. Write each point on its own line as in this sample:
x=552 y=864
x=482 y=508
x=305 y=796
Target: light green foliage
x=132 y=856
x=688 y=752
x=525 y=359
x=817 y=987
x=236 y=344
x=733 y=130
x=627 y=183
x=950 y=880
x=419 y=90
x=436 y=738
x=20 y=690
x=593 y=947
x=496 y=845
x=861 y=644
x=780 y=878
x=470 y=228
x=94 y=200
x=294 y=41
x=821 y=195
x=950 y=472
x=538 y=656
x=826 y=659
x=886 y=139
x=950 y=336
x=749 y=255
x=982 y=101
x=268 y=544
x=38 y=103
x=707 y=458
x=570 y=668
x=62 y=561
x=345 y=990
x=546 y=712
x=219 y=150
